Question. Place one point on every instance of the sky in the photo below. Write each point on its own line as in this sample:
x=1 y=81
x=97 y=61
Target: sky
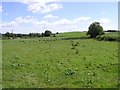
x=31 y=16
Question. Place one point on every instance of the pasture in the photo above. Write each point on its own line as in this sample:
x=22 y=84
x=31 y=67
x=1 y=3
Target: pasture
x=52 y=62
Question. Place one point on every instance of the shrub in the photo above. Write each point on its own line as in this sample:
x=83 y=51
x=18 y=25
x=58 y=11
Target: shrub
x=107 y=38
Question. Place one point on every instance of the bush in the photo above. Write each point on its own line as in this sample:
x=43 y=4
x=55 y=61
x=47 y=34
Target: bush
x=107 y=38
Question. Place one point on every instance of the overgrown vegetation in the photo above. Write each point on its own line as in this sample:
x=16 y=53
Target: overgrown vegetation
x=109 y=37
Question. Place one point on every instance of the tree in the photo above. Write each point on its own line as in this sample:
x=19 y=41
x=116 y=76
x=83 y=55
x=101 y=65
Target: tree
x=95 y=29
x=30 y=34
x=57 y=33
x=13 y=35
x=19 y=35
x=42 y=34
x=47 y=33
x=7 y=34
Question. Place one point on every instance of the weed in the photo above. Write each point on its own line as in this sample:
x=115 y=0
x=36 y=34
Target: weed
x=77 y=52
x=76 y=44
x=69 y=72
x=73 y=47
x=84 y=58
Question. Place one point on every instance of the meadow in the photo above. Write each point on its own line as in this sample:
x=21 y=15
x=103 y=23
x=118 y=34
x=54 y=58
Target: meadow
x=57 y=62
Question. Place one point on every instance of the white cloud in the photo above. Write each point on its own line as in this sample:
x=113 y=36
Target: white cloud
x=109 y=27
x=107 y=24
x=104 y=21
x=9 y=24
x=82 y=19
x=104 y=12
x=63 y=22
x=58 y=25
x=42 y=6
x=19 y=21
x=1 y=8
x=38 y=1
x=24 y=20
x=65 y=25
x=50 y=16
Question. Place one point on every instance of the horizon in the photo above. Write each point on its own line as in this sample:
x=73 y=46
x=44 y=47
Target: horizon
x=54 y=32
x=34 y=17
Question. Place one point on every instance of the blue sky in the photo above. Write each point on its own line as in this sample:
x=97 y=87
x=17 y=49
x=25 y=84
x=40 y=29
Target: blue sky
x=26 y=17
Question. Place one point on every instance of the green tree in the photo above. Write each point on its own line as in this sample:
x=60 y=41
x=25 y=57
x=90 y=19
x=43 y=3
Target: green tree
x=30 y=34
x=95 y=29
x=47 y=33
x=12 y=35
x=42 y=34
x=7 y=34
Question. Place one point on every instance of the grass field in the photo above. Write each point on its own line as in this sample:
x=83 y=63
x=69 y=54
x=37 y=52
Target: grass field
x=55 y=63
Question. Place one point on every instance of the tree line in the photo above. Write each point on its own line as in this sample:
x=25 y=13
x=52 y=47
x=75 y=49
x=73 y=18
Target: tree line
x=47 y=33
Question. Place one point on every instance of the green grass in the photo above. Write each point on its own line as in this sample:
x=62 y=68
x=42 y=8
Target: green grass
x=72 y=34
x=0 y=63
x=56 y=63
x=115 y=34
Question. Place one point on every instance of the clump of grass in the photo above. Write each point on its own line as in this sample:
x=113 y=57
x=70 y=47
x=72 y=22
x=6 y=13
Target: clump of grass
x=69 y=72
x=76 y=44
x=83 y=46
x=16 y=57
x=84 y=58
x=73 y=47
x=77 y=52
